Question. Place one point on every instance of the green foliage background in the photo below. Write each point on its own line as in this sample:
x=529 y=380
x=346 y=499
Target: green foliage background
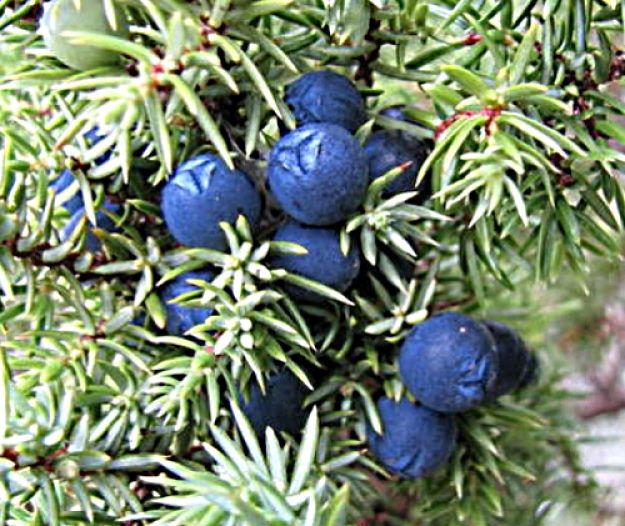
x=104 y=421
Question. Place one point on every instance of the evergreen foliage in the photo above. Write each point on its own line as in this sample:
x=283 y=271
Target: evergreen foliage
x=105 y=418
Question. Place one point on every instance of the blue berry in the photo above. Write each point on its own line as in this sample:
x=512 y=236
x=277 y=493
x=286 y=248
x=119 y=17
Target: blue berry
x=280 y=407
x=318 y=174
x=398 y=113
x=66 y=178
x=448 y=362
x=140 y=320
x=388 y=149
x=324 y=262
x=103 y=221
x=513 y=359
x=325 y=96
x=61 y=183
x=94 y=136
x=531 y=373
x=179 y=318
x=395 y=112
x=416 y=440
x=203 y=192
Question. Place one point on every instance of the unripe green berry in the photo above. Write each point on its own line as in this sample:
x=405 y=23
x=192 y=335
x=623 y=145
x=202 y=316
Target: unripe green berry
x=80 y=15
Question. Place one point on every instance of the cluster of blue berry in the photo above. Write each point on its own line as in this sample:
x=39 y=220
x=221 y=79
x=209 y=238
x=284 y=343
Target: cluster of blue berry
x=450 y=363
x=319 y=174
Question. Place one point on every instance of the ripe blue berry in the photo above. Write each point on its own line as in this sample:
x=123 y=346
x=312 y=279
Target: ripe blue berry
x=73 y=199
x=179 y=318
x=280 y=407
x=140 y=320
x=448 y=362
x=416 y=440
x=318 y=174
x=398 y=113
x=513 y=359
x=103 y=220
x=325 y=96
x=532 y=372
x=395 y=112
x=388 y=149
x=203 y=192
x=324 y=262
x=74 y=202
x=61 y=16
x=94 y=136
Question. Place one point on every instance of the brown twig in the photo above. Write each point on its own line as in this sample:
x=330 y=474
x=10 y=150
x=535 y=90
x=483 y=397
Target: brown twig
x=35 y=257
x=601 y=403
x=46 y=462
x=608 y=395
x=365 y=71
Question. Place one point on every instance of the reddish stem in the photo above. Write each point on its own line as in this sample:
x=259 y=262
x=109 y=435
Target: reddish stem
x=41 y=462
x=472 y=39
x=442 y=127
x=491 y=113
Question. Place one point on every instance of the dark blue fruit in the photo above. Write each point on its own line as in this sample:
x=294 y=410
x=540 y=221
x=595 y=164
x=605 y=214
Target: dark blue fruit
x=203 y=192
x=324 y=262
x=449 y=362
x=74 y=202
x=280 y=407
x=398 y=113
x=532 y=372
x=513 y=359
x=318 y=174
x=180 y=318
x=103 y=220
x=395 y=112
x=416 y=440
x=388 y=149
x=325 y=96
x=94 y=136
